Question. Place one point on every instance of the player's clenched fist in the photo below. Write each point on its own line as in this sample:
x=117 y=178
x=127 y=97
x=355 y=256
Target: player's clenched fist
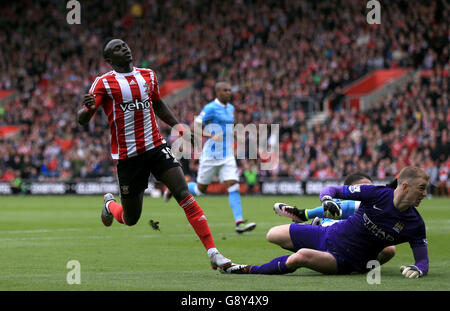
x=89 y=102
x=411 y=272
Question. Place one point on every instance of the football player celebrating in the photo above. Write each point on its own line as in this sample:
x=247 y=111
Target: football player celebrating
x=130 y=99
x=385 y=217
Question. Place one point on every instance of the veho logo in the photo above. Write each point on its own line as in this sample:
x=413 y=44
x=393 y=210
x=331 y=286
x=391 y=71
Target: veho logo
x=136 y=105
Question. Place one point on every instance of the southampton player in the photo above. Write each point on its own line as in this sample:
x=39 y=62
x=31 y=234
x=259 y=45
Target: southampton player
x=385 y=217
x=130 y=99
x=217 y=158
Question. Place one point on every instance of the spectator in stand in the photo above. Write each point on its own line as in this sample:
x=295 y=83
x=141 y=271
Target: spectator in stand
x=268 y=53
x=17 y=185
x=442 y=187
x=251 y=176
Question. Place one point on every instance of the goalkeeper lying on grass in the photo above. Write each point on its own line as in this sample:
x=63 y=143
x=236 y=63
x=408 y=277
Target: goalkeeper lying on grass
x=333 y=213
x=385 y=217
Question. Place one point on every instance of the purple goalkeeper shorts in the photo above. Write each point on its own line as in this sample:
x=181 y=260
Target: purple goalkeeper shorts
x=315 y=237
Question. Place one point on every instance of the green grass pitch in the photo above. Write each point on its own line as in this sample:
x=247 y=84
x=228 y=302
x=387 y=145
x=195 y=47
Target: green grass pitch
x=39 y=235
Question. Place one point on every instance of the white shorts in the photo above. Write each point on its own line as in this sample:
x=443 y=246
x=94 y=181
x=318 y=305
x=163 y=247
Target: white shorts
x=226 y=169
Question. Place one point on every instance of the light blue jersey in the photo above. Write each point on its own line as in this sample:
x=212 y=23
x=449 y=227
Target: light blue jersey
x=217 y=157
x=217 y=118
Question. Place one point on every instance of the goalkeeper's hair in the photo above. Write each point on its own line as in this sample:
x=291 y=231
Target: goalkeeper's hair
x=409 y=173
x=355 y=177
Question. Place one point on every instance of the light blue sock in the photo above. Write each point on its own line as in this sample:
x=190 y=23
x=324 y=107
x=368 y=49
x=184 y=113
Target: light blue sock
x=315 y=212
x=234 y=198
x=193 y=188
x=348 y=209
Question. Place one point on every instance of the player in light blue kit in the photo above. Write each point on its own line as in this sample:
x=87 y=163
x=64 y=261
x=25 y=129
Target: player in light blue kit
x=385 y=217
x=217 y=158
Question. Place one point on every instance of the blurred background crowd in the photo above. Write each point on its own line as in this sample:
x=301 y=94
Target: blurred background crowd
x=278 y=55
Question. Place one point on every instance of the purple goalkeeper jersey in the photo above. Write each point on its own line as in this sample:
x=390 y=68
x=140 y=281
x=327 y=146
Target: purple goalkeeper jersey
x=376 y=224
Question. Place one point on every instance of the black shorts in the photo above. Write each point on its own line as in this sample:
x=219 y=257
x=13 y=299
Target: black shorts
x=134 y=172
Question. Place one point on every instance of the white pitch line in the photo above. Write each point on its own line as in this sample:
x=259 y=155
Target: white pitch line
x=54 y=238
x=142 y=236
x=43 y=230
x=437 y=221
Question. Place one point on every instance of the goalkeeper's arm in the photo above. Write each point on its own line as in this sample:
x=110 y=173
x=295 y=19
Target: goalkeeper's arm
x=420 y=268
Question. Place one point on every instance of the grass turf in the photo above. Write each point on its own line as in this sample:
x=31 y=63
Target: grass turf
x=39 y=235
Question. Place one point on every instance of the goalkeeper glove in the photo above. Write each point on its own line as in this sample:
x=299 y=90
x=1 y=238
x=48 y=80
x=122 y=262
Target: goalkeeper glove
x=411 y=272
x=331 y=209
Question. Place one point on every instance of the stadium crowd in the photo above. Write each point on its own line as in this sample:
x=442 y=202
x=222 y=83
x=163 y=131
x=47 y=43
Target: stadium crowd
x=274 y=53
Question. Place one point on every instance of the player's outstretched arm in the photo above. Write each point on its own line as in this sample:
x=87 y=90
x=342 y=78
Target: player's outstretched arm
x=353 y=192
x=420 y=267
x=85 y=114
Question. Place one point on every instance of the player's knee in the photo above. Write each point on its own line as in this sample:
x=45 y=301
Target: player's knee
x=202 y=188
x=295 y=261
x=131 y=221
x=132 y=208
x=277 y=235
x=389 y=252
x=300 y=258
x=386 y=254
x=233 y=188
x=271 y=236
x=180 y=192
x=230 y=183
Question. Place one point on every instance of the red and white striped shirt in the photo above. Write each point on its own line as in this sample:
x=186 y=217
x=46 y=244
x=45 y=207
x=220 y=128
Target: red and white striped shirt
x=126 y=99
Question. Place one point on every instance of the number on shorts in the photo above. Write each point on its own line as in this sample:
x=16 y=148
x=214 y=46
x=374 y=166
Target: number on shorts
x=169 y=154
